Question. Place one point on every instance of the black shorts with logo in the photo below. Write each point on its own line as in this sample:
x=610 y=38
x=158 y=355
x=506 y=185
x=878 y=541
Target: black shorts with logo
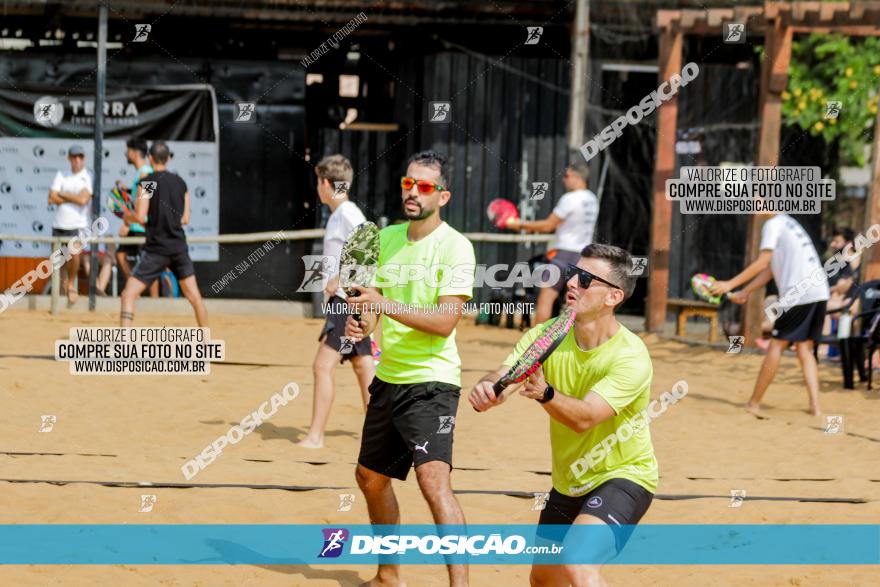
x=800 y=323
x=150 y=266
x=408 y=424
x=334 y=331
x=620 y=503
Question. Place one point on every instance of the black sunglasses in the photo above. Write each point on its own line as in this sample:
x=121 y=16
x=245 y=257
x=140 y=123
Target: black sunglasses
x=585 y=277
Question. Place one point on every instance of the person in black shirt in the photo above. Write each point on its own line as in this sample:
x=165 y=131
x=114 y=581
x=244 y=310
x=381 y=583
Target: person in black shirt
x=162 y=206
x=843 y=284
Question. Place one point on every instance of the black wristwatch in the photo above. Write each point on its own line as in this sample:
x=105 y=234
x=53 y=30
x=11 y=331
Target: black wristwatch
x=548 y=395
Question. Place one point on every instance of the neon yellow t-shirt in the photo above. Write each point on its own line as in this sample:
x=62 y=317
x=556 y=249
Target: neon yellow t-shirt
x=447 y=258
x=620 y=371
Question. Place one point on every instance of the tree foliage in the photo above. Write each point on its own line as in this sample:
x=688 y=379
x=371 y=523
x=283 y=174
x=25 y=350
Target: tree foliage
x=835 y=68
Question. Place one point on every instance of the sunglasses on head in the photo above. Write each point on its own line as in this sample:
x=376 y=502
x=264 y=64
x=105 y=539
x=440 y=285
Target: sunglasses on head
x=424 y=186
x=585 y=278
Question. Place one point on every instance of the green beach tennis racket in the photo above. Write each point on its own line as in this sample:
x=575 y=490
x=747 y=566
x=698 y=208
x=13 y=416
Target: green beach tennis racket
x=553 y=334
x=359 y=258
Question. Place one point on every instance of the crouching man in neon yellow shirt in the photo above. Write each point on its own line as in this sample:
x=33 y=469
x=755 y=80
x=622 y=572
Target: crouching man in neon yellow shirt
x=596 y=387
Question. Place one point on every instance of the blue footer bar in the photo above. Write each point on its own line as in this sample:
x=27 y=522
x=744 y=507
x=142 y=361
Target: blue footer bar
x=294 y=544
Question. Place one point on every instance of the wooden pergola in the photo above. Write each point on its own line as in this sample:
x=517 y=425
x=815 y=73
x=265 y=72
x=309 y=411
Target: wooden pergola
x=776 y=22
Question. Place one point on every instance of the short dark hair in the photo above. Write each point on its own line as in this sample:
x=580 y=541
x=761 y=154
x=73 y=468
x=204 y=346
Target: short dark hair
x=137 y=144
x=620 y=262
x=433 y=159
x=847 y=234
x=160 y=152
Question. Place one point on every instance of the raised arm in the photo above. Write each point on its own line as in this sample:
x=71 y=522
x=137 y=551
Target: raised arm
x=577 y=414
x=749 y=273
x=548 y=224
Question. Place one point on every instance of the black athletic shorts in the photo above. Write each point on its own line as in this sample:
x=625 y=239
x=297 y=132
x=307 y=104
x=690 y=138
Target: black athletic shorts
x=132 y=251
x=408 y=424
x=334 y=331
x=71 y=232
x=150 y=266
x=561 y=259
x=620 y=503
x=800 y=323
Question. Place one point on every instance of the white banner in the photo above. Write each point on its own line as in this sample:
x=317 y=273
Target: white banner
x=28 y=166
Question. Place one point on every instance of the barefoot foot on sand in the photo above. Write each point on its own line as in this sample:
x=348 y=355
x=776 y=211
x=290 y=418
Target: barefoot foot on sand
x=377 y=582
x=755 y=411
x=308 y=443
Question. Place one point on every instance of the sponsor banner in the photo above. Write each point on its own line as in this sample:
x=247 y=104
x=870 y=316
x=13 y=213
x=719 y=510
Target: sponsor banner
x=169 y=113
x=133 y=544
x=37 y=128
x=28 y=167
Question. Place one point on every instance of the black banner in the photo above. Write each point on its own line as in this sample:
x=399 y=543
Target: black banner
x=173 y=113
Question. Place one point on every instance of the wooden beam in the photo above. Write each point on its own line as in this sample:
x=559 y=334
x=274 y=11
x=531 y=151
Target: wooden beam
x=774 y=78
x=664 y=168
x=580 y=75
x=866 y=30
x=848 y=18
x=871 y=262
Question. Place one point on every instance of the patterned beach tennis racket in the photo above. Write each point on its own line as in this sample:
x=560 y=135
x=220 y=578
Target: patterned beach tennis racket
x=118 y=200
x=700 y=283
x=553 y=334
x=359 y=258
x=115 y=207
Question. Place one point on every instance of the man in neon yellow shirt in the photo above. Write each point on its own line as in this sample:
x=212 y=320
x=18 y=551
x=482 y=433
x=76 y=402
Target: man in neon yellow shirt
x=594 y=386
x=425 y=274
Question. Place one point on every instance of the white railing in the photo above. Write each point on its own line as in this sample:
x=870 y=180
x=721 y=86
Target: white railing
x=251 y=237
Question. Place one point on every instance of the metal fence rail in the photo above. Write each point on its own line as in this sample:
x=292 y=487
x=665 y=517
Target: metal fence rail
x=251 y=237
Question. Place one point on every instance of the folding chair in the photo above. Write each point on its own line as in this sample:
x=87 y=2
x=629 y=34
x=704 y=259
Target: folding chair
x=864 y=331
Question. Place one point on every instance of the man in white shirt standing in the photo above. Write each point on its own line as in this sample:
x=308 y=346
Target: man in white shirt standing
x=71 y=192
x=574 y=221
x=790 y=258
x=334 y=181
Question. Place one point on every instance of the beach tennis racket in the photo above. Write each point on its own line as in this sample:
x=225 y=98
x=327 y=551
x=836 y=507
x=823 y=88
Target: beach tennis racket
x=118 y=200
x=700 y=283
x=121 y=193
x=115 y=207
x=553 y=334
x=359 y=259
x=500 y=211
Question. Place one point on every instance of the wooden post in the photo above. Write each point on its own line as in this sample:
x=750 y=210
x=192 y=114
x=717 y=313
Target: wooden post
x=580 y=71
x=100 y=91
x=871 y=260
x=664 y=168
x=774 y=79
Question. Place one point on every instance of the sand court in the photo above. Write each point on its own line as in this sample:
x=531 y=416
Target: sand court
x=112 y=433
